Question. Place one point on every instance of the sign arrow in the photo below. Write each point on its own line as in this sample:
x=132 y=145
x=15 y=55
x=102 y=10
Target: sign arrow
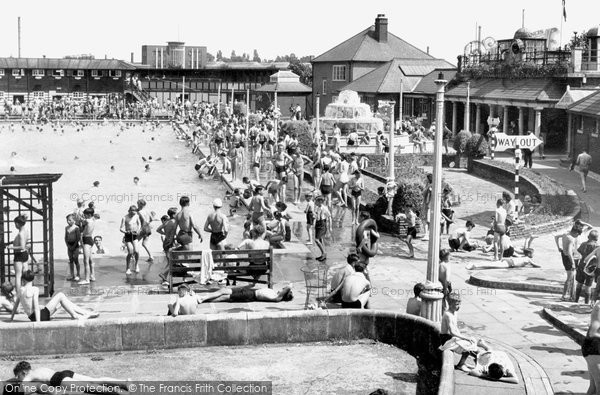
x=504 y=142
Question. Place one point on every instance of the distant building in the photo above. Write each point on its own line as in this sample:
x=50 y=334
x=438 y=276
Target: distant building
x=372 y=56
x=23 y=79
x=290 y=93
x=174 y=55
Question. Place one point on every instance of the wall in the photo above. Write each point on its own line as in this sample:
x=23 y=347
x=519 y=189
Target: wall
x=588 y=138
x=417 y=336
x=569 y=201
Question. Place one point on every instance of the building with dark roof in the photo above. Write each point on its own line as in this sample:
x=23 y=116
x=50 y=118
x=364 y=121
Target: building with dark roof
x=23 y=79
x=369 y=63
x=290 y=92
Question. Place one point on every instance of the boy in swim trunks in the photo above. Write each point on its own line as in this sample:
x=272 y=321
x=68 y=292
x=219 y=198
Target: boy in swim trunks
x=87 y=239
x=167 y=229
x=72 y=238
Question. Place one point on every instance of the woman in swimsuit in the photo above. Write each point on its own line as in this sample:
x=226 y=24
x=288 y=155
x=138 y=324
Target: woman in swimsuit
x=130 y=227
x=20 y=247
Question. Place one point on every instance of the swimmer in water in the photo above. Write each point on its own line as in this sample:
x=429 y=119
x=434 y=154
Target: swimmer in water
x=112 y=168
x=136 y=180
x=76 y=157
x=12 y=168
x=44 y=158
x=96 y=184
x=13 y=154
x=147 y=168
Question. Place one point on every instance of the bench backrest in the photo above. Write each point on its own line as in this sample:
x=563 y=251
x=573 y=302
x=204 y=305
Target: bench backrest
x=225 y=257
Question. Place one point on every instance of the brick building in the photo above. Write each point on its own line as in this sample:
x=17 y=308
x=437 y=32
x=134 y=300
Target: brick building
x=373 y=51
x=26 y=79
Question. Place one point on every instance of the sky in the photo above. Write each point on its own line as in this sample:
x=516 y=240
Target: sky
x=310 y=27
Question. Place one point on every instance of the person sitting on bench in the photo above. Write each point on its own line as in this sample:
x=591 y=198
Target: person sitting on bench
x=245 y=294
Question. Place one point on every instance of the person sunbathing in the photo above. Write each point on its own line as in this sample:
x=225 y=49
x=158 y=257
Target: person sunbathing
x=42 y=377
x=248 y=295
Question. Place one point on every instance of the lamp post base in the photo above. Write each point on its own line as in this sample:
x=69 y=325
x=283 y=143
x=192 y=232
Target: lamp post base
x=431 y=307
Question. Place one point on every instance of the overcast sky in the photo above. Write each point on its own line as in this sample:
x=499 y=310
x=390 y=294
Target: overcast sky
x=56 y=28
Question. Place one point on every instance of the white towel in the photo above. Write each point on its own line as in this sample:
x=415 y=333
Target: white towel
x=206 y=269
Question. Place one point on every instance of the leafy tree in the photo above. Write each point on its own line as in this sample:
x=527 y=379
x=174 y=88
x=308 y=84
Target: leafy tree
x=304 y=70
x=210 y=57
x=579 y=40
x=233 y=55
x=219 y=55
x=255 y=57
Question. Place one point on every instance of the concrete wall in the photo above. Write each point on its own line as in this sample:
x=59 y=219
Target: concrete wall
x=501 y=176
x=415 y=335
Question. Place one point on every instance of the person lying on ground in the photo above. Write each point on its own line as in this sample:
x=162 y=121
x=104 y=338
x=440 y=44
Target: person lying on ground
x=520 y=261
x=42 y=377
x=242 y=295
x=493 y=365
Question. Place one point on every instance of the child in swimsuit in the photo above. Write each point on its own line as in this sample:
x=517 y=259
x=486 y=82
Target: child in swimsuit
x=72 y=237
x=87 y=239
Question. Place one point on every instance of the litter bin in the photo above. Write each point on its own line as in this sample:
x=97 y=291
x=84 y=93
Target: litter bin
x=315 y=277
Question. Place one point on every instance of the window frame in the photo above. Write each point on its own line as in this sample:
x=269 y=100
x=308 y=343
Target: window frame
x=335 y=71
x=1 y=73
x=78 y=73
x=324 y=87
x=114 y=73
x=20 y=73
x=97 y=73
x=61 y=73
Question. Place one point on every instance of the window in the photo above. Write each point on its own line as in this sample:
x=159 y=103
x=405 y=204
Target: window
x=1 y=72
x=339 y=73
x=96 y=73
x=37 y=73
x=78 y=95
x=595 y=131
x=17 y=72
x=114 y=73
x=324 y=87
x=78 y=73
x=1 y=94
x=58 y=73
x=38 y=95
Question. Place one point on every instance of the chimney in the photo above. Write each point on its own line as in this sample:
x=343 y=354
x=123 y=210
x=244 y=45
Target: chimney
x=427 y=52
x=381 y=28
x=132 y=57
x=105 y=56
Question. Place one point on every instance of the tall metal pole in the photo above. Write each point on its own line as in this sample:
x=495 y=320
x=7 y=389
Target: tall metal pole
x=232 y=94
x=431 y=307
x=391 y=143
x=468 y=108
x=19 y=27
x=183 y=93
x=400 y=106
x=219 y=99
x=247 y=110
x=275 y=116
x=318 y=108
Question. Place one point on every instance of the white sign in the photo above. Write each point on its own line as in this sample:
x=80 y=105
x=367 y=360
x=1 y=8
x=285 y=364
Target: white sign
x=504 y=141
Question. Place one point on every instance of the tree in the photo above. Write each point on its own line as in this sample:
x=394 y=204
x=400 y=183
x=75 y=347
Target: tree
x=210 y=57
x=304 y=70
x=255 y=57
x=579 y=40
x=219 y=55
x=233 y=55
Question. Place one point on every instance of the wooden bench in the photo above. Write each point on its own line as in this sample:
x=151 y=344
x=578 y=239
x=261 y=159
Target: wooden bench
x=239 y=265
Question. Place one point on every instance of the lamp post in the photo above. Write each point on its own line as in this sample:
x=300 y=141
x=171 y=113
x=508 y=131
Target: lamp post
x=318 y=107
x=391 y=144
x=432 y=295
x=468 y=108
x=275 y=115
x=247 y=110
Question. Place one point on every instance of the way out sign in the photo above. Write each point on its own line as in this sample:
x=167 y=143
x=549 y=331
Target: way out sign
x=504 y=142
